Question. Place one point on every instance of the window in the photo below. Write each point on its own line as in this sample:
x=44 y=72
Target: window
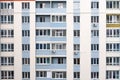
x=7 y=33
x=58 y=33
x=112 y=74
x=42 y=46
x=94 y=47
x=41 y=74
x=58 y=46
x=25 y=61
x=25 y=5
x=42 y=60
x=6 y=19
x=113 y=47
x=76 y=19
x=26 y=75
x=58 y=60
x=112 y=4
x=76 y=33
x=94 y=5
x=7 y=74
x=94 y=75
x=25 y=47
x=6 y=5
x=94 y=19
x=76 y=47
x=59 y=75
x=7 y=61
x=94 y=33
x=25 y=33
x=76 y=5
x=58 y=18
x=94 y=61
x=61 y=60
x=42 y=4
x=113 y=32
x=77 y=61
x=77 y=75
x=25 y=19
x=42 y=32
x=7 y=47
x=58 y=4
x=113 y=18
x=112 y=60
x=42 y=18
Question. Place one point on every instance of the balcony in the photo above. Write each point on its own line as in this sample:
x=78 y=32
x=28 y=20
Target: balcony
x=48 y=38
x=51 y=52
x=51 y=66
x=50 y=7
x=50 y=10
x=113 y=20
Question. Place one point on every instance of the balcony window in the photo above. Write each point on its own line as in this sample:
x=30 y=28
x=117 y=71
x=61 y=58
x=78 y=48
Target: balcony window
x=59 y=75
x=58 y=4
x=113 y=18
x=42 y=18
x=58 y=33
x=58 y=18
x=42 y=4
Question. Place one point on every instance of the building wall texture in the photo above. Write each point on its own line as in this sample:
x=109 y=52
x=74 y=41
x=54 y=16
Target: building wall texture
x=59 y=40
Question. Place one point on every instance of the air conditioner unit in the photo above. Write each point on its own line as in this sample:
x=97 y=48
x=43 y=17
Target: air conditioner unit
x=53 y=51
x=94 y=25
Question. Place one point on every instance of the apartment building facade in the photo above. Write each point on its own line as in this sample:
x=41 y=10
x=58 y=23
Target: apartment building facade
x=59 y=40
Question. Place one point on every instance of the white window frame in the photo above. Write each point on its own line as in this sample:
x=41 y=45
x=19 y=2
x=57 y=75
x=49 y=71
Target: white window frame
x=5 y=61
x=25 y=19
x=25 y=47
x=7 y=74
x=76 y=19
x=59 y=75
x=76 y=61
x=112 y=46
x=94 y=33
x=41 y=74
x=7 y=19
x=95 y=5
x=25 y=33
x=43 y=46
x=26 y=75
x=58 y=46
x=76 y=33
x=25 y=5
x=112 y=60
x=94 y=61
x=58 y=32
x=58 y=18
x=9 y=47
x=25 y=61
x=94 y=47
x=76 y=75
x=7 y=5
x=113 y=33
x=43 y=60
x=43 y=32
x=94 y=19
x=112 y=74
x=94 y=75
